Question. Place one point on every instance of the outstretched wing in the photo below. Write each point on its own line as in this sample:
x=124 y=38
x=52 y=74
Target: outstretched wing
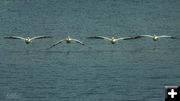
x=14 y=37
x=141 y=36
x=166 y=36
x=41 y=37
x=77 y=41
x=126 y=38
x=56 y=44
x=99 y=37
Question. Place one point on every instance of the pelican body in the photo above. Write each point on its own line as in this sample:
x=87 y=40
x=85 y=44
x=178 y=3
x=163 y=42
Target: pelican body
x=155 y=38
x=68 y=39
x=28 y=40
x=113 y=40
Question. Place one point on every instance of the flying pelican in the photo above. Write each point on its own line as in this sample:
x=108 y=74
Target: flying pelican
x=27 y=40
x=113 y=40
x=68 y=40
x=155 y=37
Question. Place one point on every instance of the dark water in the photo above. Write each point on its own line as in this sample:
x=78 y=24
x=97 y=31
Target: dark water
x=134 y=70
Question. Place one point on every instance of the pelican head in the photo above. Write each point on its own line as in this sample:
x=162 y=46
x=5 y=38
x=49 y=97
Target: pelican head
x=28 y=40
x=155 y=37
x=113 y=41
x=68 y=39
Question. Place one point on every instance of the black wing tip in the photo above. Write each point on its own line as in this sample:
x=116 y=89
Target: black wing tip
x=95 y=37
x=136 y=37
x=175 y=38
x=129 y=38
x=49 y=48
x=49 y=36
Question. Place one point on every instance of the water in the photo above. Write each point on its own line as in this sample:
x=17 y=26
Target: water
x=134 y=70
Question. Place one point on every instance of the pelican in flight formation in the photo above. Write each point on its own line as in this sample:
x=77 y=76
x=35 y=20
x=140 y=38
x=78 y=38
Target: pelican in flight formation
x=155 y=37
x=27 y=40
x=113 y=40
x=67 y=40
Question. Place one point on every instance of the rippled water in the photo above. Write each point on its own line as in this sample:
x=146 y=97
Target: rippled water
x=135 y=70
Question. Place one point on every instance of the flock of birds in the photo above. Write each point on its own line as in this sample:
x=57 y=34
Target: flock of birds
x=68 y=39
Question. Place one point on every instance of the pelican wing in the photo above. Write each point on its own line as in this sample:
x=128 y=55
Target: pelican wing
x=77 y=41
x=140 y=36
x=165 y=36
x=41 y=37
x=99 y=37
x=125 y=38
x=14 y=37
x=56 y=44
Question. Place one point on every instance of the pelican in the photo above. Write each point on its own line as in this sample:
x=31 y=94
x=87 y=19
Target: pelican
x=155 y=37
x=113 y=40
x=27 y=40
x=68 y=40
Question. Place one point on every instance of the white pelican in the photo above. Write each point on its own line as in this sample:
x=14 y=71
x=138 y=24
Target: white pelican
x=155 y=37
x=67 y=40
x=113 y=40
x=27 y=40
